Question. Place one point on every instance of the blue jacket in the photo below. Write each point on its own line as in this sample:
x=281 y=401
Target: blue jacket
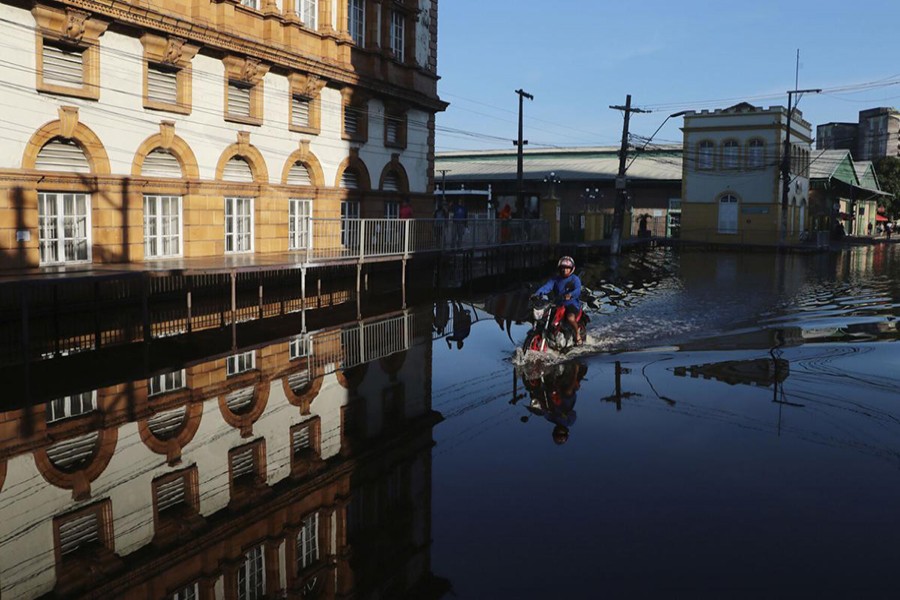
x=558 y=284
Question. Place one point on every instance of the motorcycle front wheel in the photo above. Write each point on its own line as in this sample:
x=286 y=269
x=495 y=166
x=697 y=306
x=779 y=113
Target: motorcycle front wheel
x=534 y=341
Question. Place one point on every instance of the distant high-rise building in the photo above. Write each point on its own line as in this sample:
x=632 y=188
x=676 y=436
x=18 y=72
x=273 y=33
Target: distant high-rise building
x=876 y=135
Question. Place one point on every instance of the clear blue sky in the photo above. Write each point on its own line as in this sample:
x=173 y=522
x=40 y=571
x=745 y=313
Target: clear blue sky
x=579 y=56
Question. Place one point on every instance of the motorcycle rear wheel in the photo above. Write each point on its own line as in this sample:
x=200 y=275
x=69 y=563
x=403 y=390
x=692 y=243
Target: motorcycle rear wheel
x=534 y=341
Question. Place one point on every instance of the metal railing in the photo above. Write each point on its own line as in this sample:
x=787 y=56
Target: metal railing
x=332 y=239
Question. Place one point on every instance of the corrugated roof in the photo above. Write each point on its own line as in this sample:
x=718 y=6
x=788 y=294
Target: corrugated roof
x=823 y=163
x=567 y=163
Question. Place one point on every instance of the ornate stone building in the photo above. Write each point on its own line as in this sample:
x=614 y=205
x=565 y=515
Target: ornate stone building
x=154 y=129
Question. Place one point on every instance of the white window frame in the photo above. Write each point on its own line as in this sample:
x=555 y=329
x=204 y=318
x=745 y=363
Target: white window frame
x=188 y=592
x=398 y=35
x=350 y=222
x=756 y=154
x=254 y=4
x=300 y=224
x=163 y=226
x=300 y=346
x=71 y=406
x=308 y=542
x=391 y=209
x=166 y=382
x=706 y=151
x=239 y=227
x=251 y=579
x=731 y=154
x=52 y=228
x=356 y=21
x=240 y=363
x=308 y=11
x=733 y=204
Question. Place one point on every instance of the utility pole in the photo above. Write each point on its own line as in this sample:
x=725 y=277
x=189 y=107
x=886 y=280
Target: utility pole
x=621 y=189
x=520 y=181
x=443 y=173
x=786 y=160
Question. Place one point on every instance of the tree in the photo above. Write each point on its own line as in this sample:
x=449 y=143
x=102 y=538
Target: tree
x=888 y=172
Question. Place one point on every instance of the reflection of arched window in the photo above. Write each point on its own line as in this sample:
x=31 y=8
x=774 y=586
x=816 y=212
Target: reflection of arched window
x=239 y=401
x=165 y=425
x=74 y=454
x=756 y=154
x=730 y=154
x=728 y=214
x=705 y=151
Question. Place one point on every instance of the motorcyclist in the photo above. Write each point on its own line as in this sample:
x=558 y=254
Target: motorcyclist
x=566 y=287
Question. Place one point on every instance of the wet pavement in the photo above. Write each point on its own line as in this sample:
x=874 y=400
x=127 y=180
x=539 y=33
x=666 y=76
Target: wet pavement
x=731 y=429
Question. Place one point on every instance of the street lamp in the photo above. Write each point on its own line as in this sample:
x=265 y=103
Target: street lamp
x=680 y=113
x=551 y=181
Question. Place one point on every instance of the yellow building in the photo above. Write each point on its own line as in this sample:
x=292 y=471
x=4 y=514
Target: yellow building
x=732 y=184
x=139 y=131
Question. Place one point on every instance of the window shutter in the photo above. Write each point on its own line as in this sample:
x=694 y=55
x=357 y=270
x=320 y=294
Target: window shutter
x=238 y=99
x=60 y=155
x=170 y=494
x=160 y=163
x=351 y=120
x=72 y=454
x=302 y=439
x=77 y=532
x=164 y=425
x=391 y=183
x=242 y=463
x=349 y=180
x=299 y=175
x=239 y=400
x=162 y=84
x=392 y=131
x=298 y=381
x=237 y=169
x=63 y=66
x=300 y=111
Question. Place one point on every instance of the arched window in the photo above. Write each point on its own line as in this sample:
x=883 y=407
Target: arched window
x=299 y=175
x=728 y=214
x=62 y=155
x=237 y=169
x=730 y=154
x=756 y=154
x=350 y=179
x=391 y=182
x=705 y=150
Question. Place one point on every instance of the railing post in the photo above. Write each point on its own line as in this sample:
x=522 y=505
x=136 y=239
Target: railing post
x=406 y=225
x=361 y=224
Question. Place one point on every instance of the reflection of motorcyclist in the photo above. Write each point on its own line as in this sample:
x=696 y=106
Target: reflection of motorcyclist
x=566 y=286
x=553 y=397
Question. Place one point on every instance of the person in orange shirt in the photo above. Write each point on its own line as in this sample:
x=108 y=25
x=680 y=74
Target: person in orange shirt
x=505 y=215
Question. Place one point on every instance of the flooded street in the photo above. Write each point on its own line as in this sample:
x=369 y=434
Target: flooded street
x=731 y=427
x=752 y=443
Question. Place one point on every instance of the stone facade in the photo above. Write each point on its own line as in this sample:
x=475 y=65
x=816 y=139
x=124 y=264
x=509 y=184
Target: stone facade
x=229 y=100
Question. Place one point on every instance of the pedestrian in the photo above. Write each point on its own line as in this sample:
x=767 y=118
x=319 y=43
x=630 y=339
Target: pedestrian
x=460 y=216
x=505 y=216
x=440 y=223
x=406 y=211
x=869 y=229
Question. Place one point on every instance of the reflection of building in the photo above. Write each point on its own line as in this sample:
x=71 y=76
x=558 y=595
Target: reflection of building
x=259 y=474
x=154 y=130
x=732 y=175
x=760 y=371
x=580 y=195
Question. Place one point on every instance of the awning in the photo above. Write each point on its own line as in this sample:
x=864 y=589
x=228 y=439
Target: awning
x=881 y=218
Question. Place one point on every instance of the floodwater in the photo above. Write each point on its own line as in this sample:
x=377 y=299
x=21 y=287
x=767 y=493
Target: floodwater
x=731 y=429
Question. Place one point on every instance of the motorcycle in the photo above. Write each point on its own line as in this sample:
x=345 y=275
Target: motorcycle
x=550 y=329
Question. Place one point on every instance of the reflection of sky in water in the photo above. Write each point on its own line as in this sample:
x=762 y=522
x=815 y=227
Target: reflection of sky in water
x=718 y=482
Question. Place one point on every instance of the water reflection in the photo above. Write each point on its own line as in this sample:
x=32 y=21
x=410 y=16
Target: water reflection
x=552 y=392
x=298 y=468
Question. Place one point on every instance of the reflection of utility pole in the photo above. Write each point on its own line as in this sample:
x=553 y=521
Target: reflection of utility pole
x=621 y=191
x=620 y=395
x=520 y=183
